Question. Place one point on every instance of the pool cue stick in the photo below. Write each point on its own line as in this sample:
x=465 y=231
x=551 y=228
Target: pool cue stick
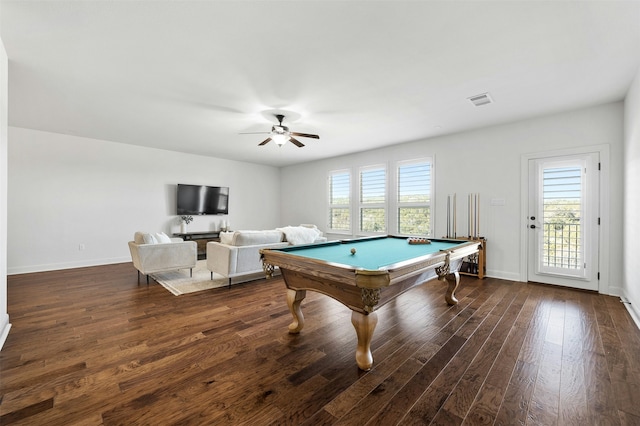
x=450 y=224
x=448 y=215
x=455 y=216
x=475 y=210
x=478 y=215
x=469 y=214
x=474 y=216
x=446 y=234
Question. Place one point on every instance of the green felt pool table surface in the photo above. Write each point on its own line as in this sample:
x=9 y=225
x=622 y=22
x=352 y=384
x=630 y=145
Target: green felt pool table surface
x=372 y=254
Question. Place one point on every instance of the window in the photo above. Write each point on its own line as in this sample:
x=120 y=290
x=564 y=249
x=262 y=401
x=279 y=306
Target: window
x=340 y=201
x=562 y=213
x=373 y=197
x=414 y=197
x=392 y=198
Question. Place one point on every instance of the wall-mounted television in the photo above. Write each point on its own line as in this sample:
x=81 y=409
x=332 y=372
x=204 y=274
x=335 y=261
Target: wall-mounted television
x=201 y=199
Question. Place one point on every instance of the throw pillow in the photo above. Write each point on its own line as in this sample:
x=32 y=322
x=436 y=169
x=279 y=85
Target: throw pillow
x=226 y=237
x=299 y=234
x=138 y=237
x=149 y=239
x=162 y=238
x=312 y=226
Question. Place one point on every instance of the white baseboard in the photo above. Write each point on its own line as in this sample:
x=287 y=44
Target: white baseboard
x=634 y=315
x=509 y=276
x=632 y=307
x=15 y=270
x=4 y=331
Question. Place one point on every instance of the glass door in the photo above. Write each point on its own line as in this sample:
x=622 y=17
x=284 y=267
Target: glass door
x=563 y=221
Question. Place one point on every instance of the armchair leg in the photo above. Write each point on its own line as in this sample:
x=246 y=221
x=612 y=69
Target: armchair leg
x=212 y=275
x=147 y=279
x=191 y=272
x=229 y=282
x=138 y=277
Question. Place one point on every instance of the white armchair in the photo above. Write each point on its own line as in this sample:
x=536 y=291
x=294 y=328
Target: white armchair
x=158 y=253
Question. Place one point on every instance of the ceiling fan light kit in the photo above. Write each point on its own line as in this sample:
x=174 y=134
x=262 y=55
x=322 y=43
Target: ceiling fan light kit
x=280 y=138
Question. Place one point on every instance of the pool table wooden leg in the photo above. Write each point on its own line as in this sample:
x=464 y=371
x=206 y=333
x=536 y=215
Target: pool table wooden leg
x=450 y=296
x=365 y=326
x=294 y=298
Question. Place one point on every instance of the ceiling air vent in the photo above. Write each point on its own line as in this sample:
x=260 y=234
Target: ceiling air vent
x=482 y=99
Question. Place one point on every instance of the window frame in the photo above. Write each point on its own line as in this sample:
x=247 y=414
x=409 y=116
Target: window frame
x=391 y=204
x=383 y=205
x=397 y=204
x=348 y=206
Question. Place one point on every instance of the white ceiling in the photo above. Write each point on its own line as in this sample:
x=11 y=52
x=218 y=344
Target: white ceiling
x=190 y=76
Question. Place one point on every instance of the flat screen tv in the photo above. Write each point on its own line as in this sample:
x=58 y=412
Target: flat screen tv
x=201 y=199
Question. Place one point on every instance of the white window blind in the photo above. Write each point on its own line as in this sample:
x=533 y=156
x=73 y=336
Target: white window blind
x=414 y=197
x=340 y=200
x=373 y=196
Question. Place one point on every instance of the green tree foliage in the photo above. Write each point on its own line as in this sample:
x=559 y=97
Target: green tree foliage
x=414 y=221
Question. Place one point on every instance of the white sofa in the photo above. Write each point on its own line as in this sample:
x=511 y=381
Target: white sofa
x=237 y=255
x=153 y=253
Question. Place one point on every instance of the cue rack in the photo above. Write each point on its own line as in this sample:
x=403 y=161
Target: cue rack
x=475 y=264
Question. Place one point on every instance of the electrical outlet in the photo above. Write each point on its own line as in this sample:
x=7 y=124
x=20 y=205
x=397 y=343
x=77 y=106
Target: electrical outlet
x=81 y=247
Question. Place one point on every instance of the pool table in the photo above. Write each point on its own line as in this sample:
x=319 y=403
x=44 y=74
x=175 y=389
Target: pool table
x=364 y=274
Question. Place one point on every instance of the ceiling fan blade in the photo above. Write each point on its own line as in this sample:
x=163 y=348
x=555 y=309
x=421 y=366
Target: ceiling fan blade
x=264 y=142
x=296 y=142
x=254 y=133
x=305 y=135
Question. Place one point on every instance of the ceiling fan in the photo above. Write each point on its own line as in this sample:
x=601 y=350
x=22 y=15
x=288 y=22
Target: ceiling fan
x=280 y=134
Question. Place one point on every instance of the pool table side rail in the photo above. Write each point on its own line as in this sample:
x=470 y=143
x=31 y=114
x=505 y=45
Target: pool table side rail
x=467 y=248
x=365 y=278
x=310 y=266
x=345 y=273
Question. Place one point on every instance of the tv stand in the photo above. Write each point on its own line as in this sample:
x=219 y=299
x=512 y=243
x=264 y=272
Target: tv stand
x=201 y=238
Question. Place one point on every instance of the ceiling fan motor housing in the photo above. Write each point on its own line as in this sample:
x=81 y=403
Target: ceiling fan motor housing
x=279 y=129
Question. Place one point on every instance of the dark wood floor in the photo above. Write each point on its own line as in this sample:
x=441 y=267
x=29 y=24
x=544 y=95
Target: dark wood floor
x=90 y=346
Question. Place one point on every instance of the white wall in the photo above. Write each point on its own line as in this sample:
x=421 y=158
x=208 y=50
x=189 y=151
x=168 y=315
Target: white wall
x=4 y=316
x=485 y=161
x=631 y=284
x=65 y=191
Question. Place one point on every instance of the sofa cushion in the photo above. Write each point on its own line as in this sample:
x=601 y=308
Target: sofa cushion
x=251 y=238
x=299 y=234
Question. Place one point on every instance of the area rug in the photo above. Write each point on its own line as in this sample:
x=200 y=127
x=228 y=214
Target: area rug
x=179 y=282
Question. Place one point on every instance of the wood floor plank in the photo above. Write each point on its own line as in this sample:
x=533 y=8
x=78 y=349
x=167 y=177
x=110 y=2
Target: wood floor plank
x=477 y=329
x=465 y=392
x=572 y=404
x=397 y=407
x=491 y=394
x=91 y=346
